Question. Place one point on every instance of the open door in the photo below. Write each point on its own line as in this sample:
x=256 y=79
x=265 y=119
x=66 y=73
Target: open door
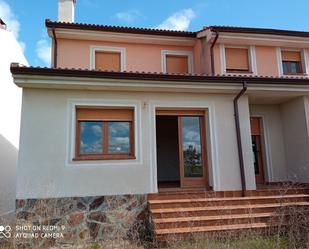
x=256 y=133
x=191 y=146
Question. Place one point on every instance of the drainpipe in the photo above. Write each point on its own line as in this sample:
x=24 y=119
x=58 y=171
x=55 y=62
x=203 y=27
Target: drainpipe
x=212 y=53
x=238 y=133
x=55 y=48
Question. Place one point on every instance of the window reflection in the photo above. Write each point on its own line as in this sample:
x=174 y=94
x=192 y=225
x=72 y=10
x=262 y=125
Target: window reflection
x=192 y=152
x=91 y=137
x=119 y=137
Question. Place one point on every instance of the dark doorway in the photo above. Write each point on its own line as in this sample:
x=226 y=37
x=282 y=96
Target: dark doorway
x=167 y=151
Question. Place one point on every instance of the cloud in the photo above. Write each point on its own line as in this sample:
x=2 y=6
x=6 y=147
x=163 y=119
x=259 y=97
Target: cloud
x=128 y=16
x=9 y=18
x=178 y=21
x=13 y=25
x=43 y=51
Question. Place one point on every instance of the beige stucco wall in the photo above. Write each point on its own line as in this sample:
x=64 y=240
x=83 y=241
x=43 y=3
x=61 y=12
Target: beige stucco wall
x=44 y=171
x=275 y=168
x=295 y=128
x=139 y=57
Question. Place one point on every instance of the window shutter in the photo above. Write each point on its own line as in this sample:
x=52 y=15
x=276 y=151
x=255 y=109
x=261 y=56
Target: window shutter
x=237 y=59
x=177 y=64
x=105 y=60
x=291 y=55
x=104 y=114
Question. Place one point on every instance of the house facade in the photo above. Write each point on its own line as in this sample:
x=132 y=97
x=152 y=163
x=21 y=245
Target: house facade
x=124 y=112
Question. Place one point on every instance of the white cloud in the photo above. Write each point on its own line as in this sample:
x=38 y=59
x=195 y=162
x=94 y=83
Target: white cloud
x=128 y=16
x=13 y=25
x=178 y=21
x=43 y=51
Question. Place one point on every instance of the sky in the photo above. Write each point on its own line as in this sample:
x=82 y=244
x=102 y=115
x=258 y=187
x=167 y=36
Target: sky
x=26 y=18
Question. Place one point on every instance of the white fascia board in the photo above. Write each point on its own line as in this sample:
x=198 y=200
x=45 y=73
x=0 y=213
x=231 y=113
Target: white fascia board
x=85 y=83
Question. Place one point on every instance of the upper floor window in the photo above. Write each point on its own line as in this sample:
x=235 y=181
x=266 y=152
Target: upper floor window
x=177 y=62
x=104 y=134
x=238 y=59
x=107 y=58
x=291 y=62
x=107 y=61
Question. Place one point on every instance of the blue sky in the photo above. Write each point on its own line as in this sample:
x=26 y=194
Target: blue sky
x=26 y=18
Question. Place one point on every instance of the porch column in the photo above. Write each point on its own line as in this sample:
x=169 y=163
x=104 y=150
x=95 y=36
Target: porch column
x=295 y=117
x=245 y=128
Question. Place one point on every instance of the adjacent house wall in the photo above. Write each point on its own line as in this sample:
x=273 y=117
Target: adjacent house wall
x=275 y=168
x=45 y=172
x=296 y=140
x=10 y=105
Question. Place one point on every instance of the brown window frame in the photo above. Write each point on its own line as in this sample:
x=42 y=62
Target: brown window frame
x=289 y=61
x=110 y=115
x=289 y=72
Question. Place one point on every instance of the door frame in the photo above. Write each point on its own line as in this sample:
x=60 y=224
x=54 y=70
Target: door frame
x=190 y=182
x=264 y=149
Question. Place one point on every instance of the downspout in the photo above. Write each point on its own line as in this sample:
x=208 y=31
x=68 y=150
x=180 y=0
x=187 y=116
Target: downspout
x=55 y=48
x=212 y=53
x=239 y=144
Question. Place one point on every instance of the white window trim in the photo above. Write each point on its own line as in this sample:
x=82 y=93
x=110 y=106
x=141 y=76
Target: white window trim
x=251 y=54
x=304 y=61
x=189 y=54
x=71 y=132
x=121 y=50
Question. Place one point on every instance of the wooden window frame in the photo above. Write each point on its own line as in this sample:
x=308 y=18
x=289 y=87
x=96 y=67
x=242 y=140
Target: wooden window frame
x=300 y=68
x=105 y=155
x=121 y=50
x=289 y=72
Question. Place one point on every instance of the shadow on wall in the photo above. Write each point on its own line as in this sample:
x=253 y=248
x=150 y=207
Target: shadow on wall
x=8 y=165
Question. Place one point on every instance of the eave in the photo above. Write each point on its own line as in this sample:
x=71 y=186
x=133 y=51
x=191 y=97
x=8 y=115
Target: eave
x=120 y=34
x=29 y=77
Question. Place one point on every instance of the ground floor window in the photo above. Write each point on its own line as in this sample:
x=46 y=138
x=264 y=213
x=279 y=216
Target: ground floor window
x=103 y=133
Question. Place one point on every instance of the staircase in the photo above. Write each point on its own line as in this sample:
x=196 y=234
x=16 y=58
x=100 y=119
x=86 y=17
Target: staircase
x=185 y=213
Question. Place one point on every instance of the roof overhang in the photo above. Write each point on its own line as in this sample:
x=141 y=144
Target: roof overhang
x=247 y=36
x=120 y=34
x=48 y=78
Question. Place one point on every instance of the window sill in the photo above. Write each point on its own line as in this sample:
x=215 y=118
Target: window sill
x=105 y=157
x=239 y=72
x=297 y=74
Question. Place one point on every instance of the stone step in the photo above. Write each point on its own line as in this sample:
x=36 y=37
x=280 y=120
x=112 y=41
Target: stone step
x=192 y=194
x=223 y=210
x=181 y=233
x=200 y=221
x=198 y=202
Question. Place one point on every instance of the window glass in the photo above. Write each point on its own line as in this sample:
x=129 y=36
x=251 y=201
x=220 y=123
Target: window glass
x=119 y=137
x=192 y=147
x=91 y=137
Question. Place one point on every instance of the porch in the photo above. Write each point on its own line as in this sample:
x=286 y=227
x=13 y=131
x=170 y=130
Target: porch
x=274 y=136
